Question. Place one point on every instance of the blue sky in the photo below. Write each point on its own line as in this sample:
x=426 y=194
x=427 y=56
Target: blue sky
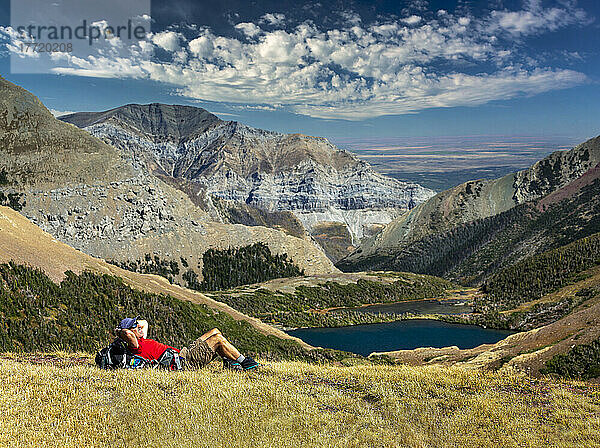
x=345 y=69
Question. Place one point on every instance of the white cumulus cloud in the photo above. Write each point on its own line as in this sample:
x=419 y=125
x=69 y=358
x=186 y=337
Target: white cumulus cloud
x=249 y=29
x=412 y=20
x=353 y=71
x=534 y=18
x=167 y=40
x=275 y=19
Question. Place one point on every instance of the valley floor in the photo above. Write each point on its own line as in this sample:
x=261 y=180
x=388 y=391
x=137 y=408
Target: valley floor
x=65 y=401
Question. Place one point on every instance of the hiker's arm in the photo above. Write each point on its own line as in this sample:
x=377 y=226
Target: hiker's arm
x=129 y=337
x=144 y=326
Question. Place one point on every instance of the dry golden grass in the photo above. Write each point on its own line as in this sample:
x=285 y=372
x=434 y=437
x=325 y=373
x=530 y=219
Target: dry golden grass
x=291 y=404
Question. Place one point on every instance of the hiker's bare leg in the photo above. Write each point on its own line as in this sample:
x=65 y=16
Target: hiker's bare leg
x=222 y=346
x=210 y=333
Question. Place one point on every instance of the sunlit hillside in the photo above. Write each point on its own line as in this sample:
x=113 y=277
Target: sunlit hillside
x=289 y=404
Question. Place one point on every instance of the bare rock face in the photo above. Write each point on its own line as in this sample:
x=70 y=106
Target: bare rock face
x=125 y=220
x=556 y=171
x=276 y=172
x=39 y=150
x=106 y=203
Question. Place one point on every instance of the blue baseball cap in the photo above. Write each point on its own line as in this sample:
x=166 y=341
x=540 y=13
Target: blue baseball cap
x=129 y=322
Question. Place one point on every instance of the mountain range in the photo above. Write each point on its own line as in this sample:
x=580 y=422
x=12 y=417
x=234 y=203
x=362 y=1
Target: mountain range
x=470 y=230
x=104 y=202
x=231 y=169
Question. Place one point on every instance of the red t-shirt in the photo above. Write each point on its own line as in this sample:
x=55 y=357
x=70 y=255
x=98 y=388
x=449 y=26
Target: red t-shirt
x=150 y=349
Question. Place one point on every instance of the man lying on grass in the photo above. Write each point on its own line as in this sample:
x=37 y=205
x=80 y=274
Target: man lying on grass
x=200 y=352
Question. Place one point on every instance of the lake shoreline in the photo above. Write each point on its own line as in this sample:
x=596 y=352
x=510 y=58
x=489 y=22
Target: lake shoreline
x=405 y=334
x=462 y=319
x=365 y=305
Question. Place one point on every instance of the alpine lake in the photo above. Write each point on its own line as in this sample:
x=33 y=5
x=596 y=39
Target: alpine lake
x=403 y=334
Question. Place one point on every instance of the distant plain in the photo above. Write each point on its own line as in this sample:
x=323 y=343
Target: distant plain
x=440 y=163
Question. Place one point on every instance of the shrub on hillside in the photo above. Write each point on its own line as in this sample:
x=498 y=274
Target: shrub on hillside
x=168 y=269
x=81 y=312
x=226 y=269
x=581 y=362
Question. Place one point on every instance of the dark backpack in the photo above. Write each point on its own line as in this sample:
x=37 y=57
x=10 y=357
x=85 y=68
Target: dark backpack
x=116 y=356
x=170 y=360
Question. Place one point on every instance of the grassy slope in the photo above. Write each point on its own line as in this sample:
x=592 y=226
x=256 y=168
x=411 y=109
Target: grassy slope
x=80 y=313
x=572 y=213
x=290 y=405
x=25 y=243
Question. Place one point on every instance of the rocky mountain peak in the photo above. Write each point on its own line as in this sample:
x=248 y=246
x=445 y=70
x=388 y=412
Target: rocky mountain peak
x=37 y=149
x=156 y=122
x=16 y=101
x=236 y=161
x=556 y=171
x=104 y=202
x=270 y=171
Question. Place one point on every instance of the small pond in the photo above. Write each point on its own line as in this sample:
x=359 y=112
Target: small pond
x=431 y=306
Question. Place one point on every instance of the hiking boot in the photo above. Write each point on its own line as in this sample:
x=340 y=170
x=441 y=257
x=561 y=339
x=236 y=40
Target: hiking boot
x=249 y=363
x=229 y=364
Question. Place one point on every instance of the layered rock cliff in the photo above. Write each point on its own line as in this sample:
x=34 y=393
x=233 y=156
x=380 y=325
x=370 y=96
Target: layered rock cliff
x=106 y=203
x=275 y=172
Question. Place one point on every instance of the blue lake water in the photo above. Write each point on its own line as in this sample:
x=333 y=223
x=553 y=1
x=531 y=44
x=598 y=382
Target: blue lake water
x=399 y=335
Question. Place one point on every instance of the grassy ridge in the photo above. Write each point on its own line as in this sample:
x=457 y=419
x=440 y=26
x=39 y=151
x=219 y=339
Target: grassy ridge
x=80 y=313
x=292 y=405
